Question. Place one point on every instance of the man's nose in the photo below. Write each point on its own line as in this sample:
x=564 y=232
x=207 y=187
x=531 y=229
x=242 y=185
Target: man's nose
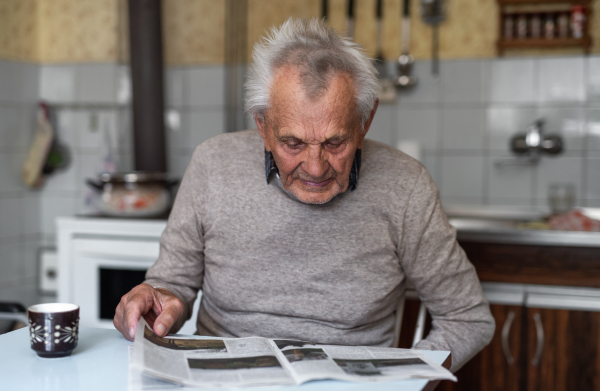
x=315 y=163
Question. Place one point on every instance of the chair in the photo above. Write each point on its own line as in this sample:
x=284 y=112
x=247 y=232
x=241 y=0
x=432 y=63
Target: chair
x=14 y=313
x=420 y=326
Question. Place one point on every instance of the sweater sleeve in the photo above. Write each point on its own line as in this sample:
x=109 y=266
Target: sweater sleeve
x=180 y=264
x=443 y=277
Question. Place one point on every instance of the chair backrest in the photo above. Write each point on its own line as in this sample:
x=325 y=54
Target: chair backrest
x=420 y=326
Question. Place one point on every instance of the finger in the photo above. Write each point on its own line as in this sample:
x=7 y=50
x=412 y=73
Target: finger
x=139 y=304
x=172 y=310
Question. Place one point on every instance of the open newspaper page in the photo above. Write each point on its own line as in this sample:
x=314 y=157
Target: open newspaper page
x=208 y=363
x=309 y=361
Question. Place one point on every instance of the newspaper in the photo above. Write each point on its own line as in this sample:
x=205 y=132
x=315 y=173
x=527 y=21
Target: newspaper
x=255 y=361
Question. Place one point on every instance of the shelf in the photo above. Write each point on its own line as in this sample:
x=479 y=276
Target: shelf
x=544 y=43
x=527 y=2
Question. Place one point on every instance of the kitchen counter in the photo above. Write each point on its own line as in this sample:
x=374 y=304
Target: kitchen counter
x=100 y=362
x=506 y=232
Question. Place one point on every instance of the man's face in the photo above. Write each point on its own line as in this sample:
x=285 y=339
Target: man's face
x=313 y=141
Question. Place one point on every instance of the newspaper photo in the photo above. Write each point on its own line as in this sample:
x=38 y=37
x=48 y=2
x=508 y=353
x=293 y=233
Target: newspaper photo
x=211 y=362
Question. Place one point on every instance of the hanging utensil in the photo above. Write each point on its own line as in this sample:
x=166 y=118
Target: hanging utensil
x=432 y=12
x=33 y=168
x=379 y=60
x=405 y=61
x=350 y=20
x=387 y=92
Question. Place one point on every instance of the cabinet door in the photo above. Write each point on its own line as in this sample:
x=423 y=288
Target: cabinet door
x=499 y=366
x=563 y=350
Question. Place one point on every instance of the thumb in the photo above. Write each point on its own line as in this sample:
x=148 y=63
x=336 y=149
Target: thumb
x=171 y=311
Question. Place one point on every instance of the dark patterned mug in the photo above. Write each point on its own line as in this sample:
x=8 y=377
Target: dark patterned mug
x=53 y=329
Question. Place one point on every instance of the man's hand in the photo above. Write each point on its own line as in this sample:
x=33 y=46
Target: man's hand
x=159 y=307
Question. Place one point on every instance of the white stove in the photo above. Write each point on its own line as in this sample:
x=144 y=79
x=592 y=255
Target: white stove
x=100 y=259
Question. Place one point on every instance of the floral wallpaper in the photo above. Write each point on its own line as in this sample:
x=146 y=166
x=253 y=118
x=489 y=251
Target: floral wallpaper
x=58 y=31
x=194 y=31
x=75 y=31
x=18 y=29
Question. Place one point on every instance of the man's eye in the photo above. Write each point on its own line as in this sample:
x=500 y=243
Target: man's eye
x=294 y=145
x=333 y=145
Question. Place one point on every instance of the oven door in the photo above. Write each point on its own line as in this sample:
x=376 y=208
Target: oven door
x=104 y=270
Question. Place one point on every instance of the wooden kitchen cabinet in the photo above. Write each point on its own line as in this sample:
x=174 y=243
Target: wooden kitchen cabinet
x=500 y=365
x=569 y=355
x=543 y=349
x=563 y=356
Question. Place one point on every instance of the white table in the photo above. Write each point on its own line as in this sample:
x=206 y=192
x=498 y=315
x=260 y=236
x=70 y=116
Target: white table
x=100 y=362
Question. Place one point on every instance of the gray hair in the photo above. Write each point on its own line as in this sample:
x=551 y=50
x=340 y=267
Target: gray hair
x=319 y=52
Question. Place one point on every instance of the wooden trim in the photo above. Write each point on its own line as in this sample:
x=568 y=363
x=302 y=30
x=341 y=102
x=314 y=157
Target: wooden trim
x=524 y=2
x=545 y=265
x=543 y=43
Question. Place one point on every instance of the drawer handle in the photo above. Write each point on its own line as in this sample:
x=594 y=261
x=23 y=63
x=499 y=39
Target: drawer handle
x=540 y=339
x=505 y=335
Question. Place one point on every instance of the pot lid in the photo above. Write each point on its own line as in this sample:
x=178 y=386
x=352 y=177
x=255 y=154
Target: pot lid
x=133 y=177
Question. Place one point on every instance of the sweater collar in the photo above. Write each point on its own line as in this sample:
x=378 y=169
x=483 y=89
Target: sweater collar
x=271 y=166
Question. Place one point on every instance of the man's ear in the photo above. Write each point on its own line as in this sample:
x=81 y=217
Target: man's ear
x=260 y=125
x=368 y=123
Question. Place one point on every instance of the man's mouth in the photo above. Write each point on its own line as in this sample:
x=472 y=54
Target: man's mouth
x=316 y=184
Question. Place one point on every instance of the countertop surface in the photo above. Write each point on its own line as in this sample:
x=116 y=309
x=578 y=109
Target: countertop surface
x=507 y=232
x=100 y=362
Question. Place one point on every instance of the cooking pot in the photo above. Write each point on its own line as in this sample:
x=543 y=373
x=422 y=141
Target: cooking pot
x=133 y=194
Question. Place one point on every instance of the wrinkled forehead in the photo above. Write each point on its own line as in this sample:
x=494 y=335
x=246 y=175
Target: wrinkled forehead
x=294 y=107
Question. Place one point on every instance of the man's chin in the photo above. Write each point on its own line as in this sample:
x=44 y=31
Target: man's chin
x=317 y=195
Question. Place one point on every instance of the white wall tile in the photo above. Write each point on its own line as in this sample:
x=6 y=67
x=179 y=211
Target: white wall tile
x=91 y=132
x=205 y=87
x=9 y=127
x=593 y=78
x=124 y=131
x=27 y=126
x=126 y=162
x=58 y=83
x=11 y=214
x=381 y=128
x=29 y=82
x=593 y=178
x=11 y=165
x=593 y=129
x=430 y=160
x=427 y=90
x=90 y=166
x=559 y=170
x=29 y=259
x=462 y=128
x=510 y=202
x=18 y=81
x=462 y=176
x=53 y=207
x=508 y=182
x=96 y=83
x=512 y=81
x=204 y=125
x=30 y=205
x=503 y=122
x=8 y=84
x=419 y=125
x=568 y=122
x=561 y=79
x=174 y=86
x=10 y=264
x=461 y=81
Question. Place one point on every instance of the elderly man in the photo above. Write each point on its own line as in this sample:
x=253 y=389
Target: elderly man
x=303 y=229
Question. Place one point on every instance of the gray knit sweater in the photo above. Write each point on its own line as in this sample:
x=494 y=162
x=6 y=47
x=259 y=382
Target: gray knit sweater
x=272 y=266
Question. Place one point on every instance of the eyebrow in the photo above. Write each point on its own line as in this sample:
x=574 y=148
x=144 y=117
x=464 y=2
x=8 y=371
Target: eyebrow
x=286 y=139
